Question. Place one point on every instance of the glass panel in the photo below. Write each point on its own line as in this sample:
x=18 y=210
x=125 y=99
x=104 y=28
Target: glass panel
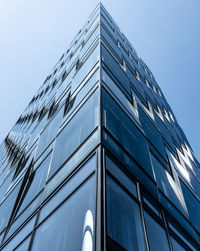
x=20 y=235
x=7 y=206
x=167 y=185
x=24 y=245
x=68 y=188
x=123 y=222
x=23 y=217
x=126 y=132
x=85 y=69
x=36 y=131
x=69 y=167
x=84 y=91
x=176 y=245
x=35 y=183
x=156 y=234
x=121 y=176
x=193 y=206
x=76 y=231
x=75 y=132
x=151 y=205
x=152 y=132
x=122 y=98
x=181 y=236
x=115 y=71
x=112 y=45
x=164 y=131
x=89 y=41
x=107 y=25
x=49 y=132
x=130 y=165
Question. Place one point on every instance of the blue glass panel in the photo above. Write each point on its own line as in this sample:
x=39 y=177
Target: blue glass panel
x=182 y=237
x=177 y=215
x=35 y=183
x=49 y=132
x=124 y=223
x=87 y=66
x=167 y=185
x=24 y=245
x=152 y=133
x=176 y=245
x=115 y=71
x=112 y=45
x=75 y=132
x=121 y=176
x=157 y=236
x=119 y=95
x=126 y=132
x=23 y=217
x=73 y=162
x=20 y=235
x=89 y=41
x=67 y=189
x=130 y=165
x=193 y=206
x=108 y=26
x=7 y=206
x=164 y=131
x=76 y=231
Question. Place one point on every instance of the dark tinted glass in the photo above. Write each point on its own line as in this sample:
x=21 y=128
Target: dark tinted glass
x=157 y=236
x=123 y=218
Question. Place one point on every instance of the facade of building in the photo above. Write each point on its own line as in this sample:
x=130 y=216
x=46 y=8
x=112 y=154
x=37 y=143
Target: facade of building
x=97 y=160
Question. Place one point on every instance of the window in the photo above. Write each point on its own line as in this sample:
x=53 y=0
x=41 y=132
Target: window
x=121 y=176
x=124 y=224
x=71 y=225
x=168 y=185
x=75 y=132
x=49 y=132
x=157 y=236
x=35 y=183
x=114 y=70
x=126 y=132
x=176 y=245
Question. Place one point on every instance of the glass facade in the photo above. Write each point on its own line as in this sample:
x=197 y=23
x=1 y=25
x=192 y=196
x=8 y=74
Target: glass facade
x=97 y=160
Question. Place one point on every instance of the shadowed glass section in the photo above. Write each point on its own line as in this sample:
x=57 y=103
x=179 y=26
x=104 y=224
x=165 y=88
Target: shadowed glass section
x=126 y=132
x=123 y=218
x=156 y=234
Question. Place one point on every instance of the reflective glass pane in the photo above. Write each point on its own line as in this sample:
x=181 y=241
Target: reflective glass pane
x=75 y=132
x=85 y=69
x=123 y=218
x=24 y=245
x=176 y=245
x=126 y=132
x=67 y=189
x=115 y=71
x=121 y=176
x=71 y=226
x=49 y=132
x=157 y=236
x=167 y=185
x=35 y=183
x=20 y=235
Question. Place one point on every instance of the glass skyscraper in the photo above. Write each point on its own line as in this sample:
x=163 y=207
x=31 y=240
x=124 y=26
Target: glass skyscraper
x=97 y=160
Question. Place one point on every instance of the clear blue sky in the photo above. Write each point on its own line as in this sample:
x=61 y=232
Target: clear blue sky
x=166 y=34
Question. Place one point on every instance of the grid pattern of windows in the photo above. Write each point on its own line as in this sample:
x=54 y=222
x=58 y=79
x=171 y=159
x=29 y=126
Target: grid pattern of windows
x=97 y=160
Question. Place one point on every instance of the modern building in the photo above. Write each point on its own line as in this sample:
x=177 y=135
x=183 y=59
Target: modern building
x=97 y=160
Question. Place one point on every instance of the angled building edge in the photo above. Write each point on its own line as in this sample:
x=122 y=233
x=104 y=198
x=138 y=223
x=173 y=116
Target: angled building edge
x=97 y=160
